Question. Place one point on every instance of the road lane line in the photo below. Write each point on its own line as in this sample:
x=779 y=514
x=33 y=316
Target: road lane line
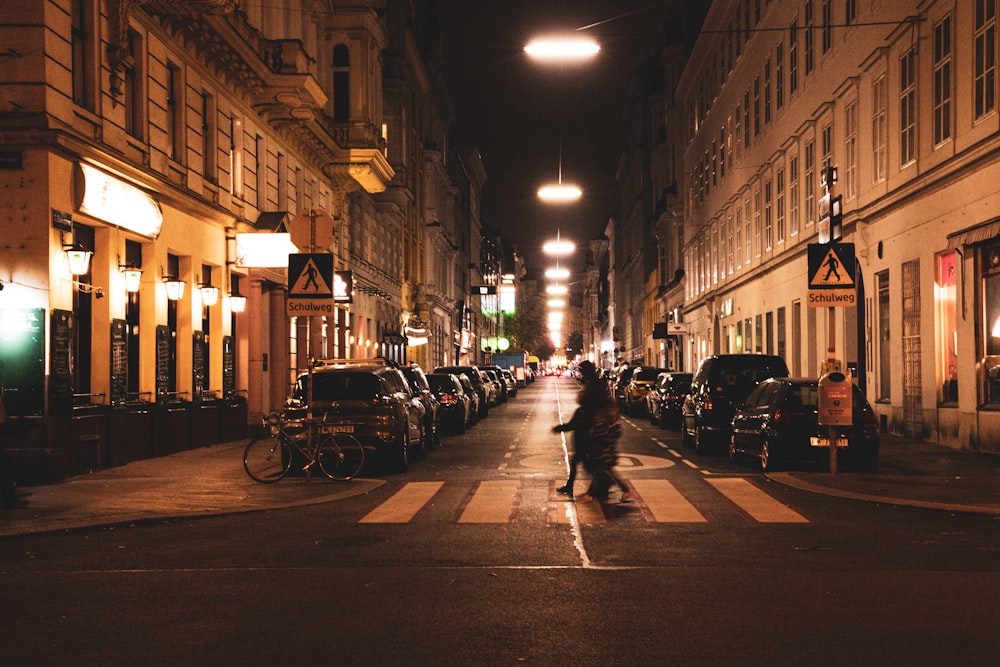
x=664 y=503
x=755 y=502
x=492 y=502
x=404 y=504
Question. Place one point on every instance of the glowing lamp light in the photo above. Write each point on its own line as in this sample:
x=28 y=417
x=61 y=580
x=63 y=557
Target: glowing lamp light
x=559 y=193
x=558 y=248
x=562 y=48
x=237 y=303
x=132 y=279
x=78 y=259
x=557 y=303
x=175 y=288
x=209 y=295
x=557 y=273
x=556 y=290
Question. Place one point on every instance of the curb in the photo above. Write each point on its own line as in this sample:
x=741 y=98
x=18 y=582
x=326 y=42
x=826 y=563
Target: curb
x=787 y=479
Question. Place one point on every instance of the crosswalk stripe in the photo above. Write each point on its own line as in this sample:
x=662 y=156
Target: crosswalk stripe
x=404 y=504
x=755 y=502
x=588 y=511
x=665 y=503
x=492 y=502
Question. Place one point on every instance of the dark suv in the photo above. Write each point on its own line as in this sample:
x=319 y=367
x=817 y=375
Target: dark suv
x=478 y=383
x=720 y=386
x=372 y=401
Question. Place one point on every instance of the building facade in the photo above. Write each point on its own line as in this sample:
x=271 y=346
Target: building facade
x=900 y=98
x=174 y=143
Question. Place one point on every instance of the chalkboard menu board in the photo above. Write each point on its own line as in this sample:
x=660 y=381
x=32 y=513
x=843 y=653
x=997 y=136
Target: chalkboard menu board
x=119 y=362
x=163 y=363
x=228 y=367
x=61 y=362
x=198 y=371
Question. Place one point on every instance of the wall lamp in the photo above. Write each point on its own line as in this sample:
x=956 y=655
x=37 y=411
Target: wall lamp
x=237 y=302
x=133 y=276
x=209 y=294
x=175 y=287
x=78 y=258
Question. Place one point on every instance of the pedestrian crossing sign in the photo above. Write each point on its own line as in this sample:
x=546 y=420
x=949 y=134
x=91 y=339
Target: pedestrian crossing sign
x=831 y=274
x=310 y=284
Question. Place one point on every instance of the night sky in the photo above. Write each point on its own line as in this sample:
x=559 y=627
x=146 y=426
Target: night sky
x=518 y=111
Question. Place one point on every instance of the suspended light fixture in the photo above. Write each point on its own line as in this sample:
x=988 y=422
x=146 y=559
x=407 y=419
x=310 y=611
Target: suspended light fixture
x=133 y=278
x=558 y=247
x=556 y=290
x=562 y=48
x=175 y=288
x=237 y=302
x=557 y=273
x=560 y=193
x=557 y=303
x=209 y=294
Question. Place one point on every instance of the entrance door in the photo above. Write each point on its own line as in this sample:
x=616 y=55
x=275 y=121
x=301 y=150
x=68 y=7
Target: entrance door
x=913 y=416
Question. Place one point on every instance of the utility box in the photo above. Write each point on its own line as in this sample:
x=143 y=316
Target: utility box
x=836 y=400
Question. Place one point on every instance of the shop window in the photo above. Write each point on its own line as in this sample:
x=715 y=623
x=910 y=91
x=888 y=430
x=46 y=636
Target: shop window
x=946 y=288
x=991 y=335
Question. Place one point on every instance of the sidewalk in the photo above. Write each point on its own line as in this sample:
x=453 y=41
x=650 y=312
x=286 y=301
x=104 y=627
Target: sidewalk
x=914 y=474
x=199 y=482
x=211 y=481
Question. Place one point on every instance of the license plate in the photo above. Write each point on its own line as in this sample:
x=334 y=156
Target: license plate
x=336 y=428
x=825 y=442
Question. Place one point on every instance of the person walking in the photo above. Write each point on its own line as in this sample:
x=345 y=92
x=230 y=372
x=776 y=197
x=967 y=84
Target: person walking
x=593 y=423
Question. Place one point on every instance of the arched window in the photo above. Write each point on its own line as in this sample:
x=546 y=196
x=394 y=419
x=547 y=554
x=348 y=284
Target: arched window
x=341 y=83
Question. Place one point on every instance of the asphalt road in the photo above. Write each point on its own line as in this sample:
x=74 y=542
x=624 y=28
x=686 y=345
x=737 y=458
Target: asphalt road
x=471 y=557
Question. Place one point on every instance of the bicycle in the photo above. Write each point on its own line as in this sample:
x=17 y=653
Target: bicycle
x=338 y=454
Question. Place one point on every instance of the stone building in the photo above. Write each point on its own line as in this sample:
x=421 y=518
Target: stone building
x=900 y=99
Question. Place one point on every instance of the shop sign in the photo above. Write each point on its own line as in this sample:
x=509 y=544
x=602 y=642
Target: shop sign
x=116 y=202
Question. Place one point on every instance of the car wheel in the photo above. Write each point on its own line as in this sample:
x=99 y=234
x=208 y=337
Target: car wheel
x=768 y=461
x=685 y=433
x=734 y=455
x=700 y=445
x=422 y=447
x=660 y=419
x=403 y=455
x=652 y=417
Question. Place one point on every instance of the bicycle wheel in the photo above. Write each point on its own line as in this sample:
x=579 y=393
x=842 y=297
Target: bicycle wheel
x=340 y=456
x=267 y=460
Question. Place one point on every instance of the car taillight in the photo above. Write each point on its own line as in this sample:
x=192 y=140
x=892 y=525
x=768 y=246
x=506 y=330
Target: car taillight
x=448 y=398
x=782 y=417
x=868 y=420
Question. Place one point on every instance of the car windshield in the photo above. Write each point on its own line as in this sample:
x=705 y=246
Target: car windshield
x=442 y=383
x=737 y=378
x=679 y=383
x=341 y=386
x=646 y=374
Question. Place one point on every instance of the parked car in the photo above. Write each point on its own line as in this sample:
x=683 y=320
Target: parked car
x=417 y=380
x=370 y=400
x=499 y=386
x=478 y=383
x=506 y=391
x=455 y=405
x=639 y=383
x=511 y=381
x=720 y=385
x=778 y=424
x=619 y=384
x=473 y=396
x=665 y=398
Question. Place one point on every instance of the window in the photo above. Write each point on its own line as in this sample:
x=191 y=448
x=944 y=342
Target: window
x=985 y=83
x=780 y=215
x=341 y=84
x=134 y=87
x=780 y=333
x=746 y=119
x=175 y=113
x=826 y=145
x=884 y=351
x=235 y=156
x=850 y=178
x=729 y=245
x=739 y=236
x=947 y=325
x=810 y=47
x=827 y=37
x=850 y=11
x=907 y=108
x=738 y=129
x=768 y=212
x=746 y=231
x=756 y=106
x=767 y=92
x=133 y=257
x=991 y=335
x=82 y=36
x=208 y=137
x=793 y=195
x=879 y=131
x=779 y=76
x=810 y=177
x=756 y=223
x=942 y=80
x=793 y=57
